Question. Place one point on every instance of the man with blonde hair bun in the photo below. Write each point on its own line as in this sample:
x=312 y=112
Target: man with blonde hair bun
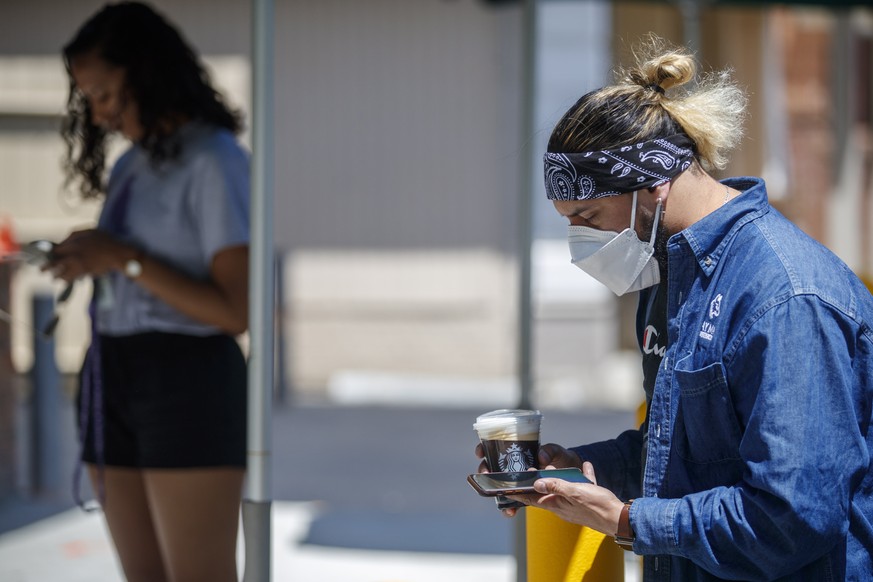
x=754 y=462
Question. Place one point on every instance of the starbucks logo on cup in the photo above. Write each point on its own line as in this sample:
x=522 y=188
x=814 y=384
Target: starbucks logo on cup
x=515 y=459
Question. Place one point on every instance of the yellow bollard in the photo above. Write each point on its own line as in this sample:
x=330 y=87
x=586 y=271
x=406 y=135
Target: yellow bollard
x=868 y=281
x=558 y=551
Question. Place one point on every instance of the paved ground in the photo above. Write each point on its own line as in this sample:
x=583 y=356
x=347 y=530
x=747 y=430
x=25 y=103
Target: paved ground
x=400 y=473
x=72 y=547
x=367 y=493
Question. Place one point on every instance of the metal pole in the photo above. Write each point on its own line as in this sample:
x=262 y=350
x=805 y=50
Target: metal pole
x=525 y=230
x=691 y=24
x=280 y=371
x=843 y=84
x=256 y=506
x=7 y=395
x=45 y=405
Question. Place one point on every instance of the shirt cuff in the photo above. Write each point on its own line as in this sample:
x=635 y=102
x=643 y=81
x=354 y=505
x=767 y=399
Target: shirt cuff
x=652 y=521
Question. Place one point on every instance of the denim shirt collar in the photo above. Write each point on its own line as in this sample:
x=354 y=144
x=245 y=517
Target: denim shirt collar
x=710 y=236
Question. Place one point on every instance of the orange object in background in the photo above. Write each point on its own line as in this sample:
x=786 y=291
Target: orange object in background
x=8 y=245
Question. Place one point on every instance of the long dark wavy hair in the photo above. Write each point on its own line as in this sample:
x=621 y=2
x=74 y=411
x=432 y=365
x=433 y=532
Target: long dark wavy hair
x=163 y=75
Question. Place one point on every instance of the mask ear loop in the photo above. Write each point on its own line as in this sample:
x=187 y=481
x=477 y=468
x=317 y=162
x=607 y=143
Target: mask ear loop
x=658 y=211
x=633 y=223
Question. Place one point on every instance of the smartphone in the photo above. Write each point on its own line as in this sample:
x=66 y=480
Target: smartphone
x=38 y=252
x=519 y=482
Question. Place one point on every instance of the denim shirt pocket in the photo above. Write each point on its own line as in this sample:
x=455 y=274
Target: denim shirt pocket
x=707 y=429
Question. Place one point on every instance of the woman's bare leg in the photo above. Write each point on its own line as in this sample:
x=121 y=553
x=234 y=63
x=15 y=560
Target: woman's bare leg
x=196 y=517
x=127 y=513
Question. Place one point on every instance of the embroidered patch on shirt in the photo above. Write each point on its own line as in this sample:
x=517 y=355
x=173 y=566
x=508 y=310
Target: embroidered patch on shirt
x=715 y=307
x=707 y=330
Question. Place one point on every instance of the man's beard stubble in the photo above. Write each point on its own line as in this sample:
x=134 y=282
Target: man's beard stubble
x=661 y=239
x=660 y=254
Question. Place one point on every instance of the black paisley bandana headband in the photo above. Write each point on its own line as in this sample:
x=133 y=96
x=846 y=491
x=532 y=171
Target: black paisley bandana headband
x=589 y=175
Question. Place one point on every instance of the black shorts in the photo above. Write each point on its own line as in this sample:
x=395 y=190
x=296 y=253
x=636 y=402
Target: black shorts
x=171 y=401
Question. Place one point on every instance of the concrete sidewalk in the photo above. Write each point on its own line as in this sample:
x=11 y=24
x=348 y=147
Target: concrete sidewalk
x=415 y=519
x=73 y=547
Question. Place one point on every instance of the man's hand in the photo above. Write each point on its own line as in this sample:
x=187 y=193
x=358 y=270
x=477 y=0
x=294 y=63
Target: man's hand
x=550 y=456
x=480 y=453
x=584 y=504
x=556 y=456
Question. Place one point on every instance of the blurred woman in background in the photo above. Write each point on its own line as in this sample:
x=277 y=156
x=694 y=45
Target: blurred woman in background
x=162 y=408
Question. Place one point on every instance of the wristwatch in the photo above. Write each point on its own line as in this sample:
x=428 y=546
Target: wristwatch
x=625 y=534
x=133 y=267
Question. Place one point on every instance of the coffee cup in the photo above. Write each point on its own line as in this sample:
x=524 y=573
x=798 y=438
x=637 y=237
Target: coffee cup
x=511 y=441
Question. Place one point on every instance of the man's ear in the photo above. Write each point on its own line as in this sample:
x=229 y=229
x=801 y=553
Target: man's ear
x=660 y=192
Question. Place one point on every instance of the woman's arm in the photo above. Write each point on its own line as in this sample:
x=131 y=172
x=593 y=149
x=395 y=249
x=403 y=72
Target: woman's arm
x=221 y=300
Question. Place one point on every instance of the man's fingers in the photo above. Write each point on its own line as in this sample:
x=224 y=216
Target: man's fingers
x=548 y=453
x=549 y=486
x=479 y=451
x=588 y=471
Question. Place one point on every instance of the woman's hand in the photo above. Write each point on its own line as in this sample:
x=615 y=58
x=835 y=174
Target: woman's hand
x=87 y=253
x=221 y=300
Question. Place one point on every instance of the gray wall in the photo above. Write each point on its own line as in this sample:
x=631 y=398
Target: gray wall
x=397 y=124
x=41 y=27
x=398 y=153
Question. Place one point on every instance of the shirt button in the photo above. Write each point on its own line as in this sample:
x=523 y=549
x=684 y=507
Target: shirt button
x=658 y=430
x=707 y=261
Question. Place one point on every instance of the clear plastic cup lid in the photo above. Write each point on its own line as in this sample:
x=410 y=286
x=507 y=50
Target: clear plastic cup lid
x=506 y=417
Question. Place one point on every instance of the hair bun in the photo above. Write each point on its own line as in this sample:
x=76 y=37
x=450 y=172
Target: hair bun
x=662 y=66
x=635 y=109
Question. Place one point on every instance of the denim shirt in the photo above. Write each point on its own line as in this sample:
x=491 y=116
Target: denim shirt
x=758 y=464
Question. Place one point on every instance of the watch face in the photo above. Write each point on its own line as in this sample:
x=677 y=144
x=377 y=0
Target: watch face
x=133 y=268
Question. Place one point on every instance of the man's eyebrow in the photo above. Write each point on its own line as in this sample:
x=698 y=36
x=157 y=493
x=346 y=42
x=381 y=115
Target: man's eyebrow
x=575 y=209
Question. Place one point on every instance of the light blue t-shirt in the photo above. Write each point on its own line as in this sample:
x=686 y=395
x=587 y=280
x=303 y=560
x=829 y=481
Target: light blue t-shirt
x=181 y=212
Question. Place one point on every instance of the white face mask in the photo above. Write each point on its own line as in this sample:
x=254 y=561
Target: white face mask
x=621 y=261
